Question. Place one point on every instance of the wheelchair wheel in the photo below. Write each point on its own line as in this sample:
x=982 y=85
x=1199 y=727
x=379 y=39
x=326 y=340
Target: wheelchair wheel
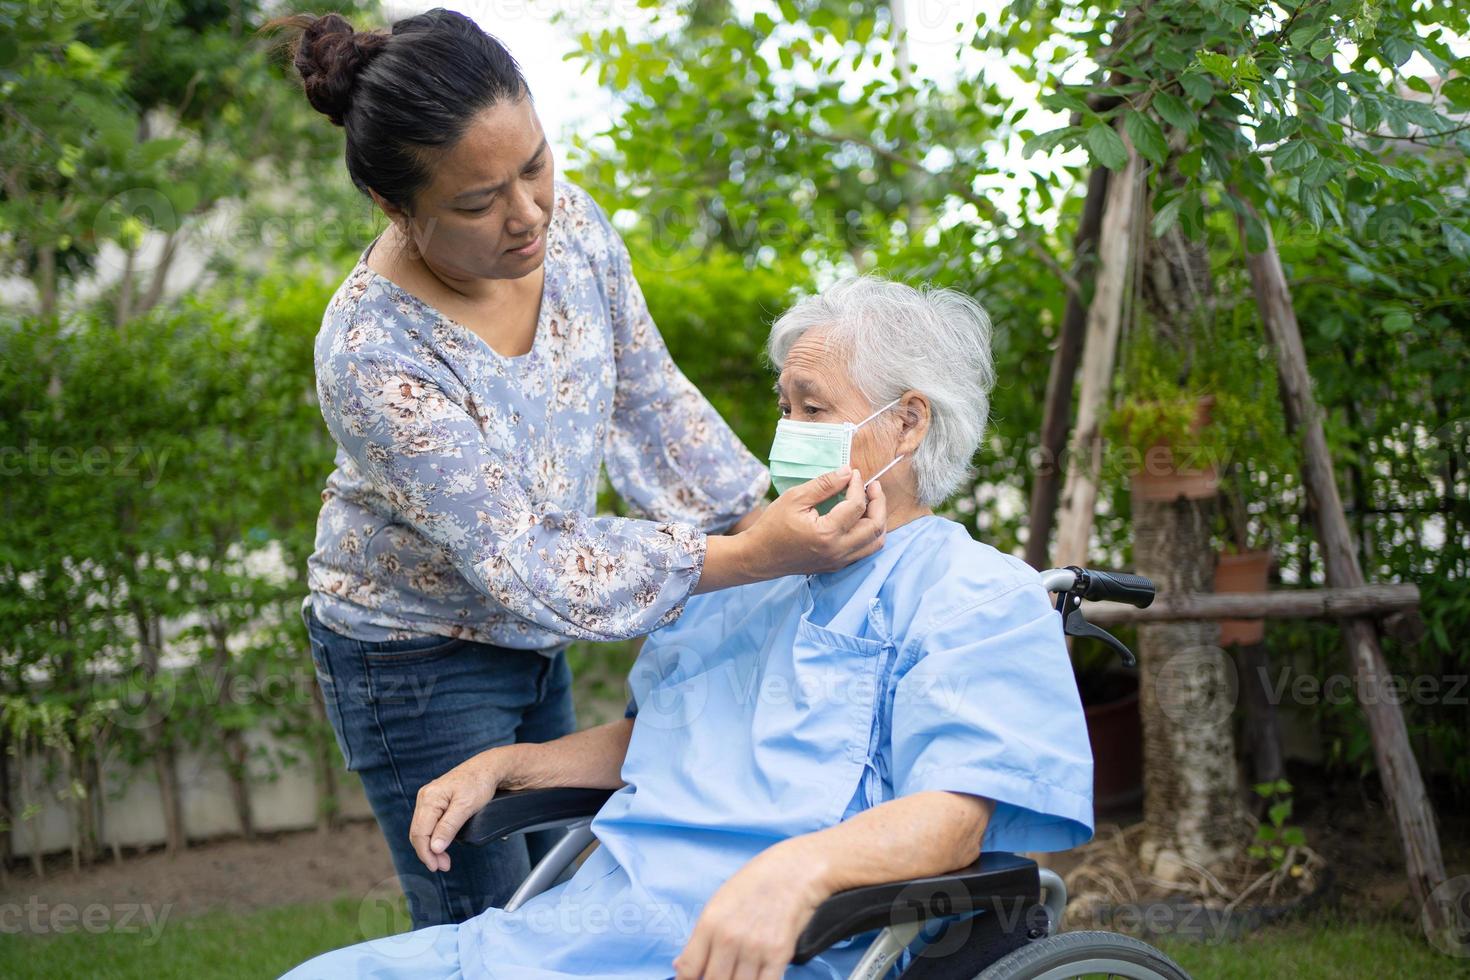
x=1085 y=954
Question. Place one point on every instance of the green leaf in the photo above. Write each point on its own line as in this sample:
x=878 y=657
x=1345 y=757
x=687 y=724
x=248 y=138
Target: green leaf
x=1292 y=154
x=154 y=151
x=1255 y=233
x=1457 y=91
x=1176 y=112
x=1322 y=48
x=1064 y=99
x=1048 y=141
x=1319 y=172
x=1303 y=35
x=1397 y=321
x=1167 y=216
x=1147 y=136
x=1199 y=87
x=1222 y=66
x=1456 y=240
x=1234 y=16
x=1106 y=146
x=1397 y=50
x=1311 y=200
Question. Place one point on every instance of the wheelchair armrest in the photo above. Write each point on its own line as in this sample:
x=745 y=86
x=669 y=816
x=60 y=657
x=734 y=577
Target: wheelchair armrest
x=996 y=879
x=519 y=811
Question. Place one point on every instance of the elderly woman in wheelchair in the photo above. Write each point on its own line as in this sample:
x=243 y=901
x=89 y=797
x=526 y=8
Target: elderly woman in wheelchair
x=817 y=776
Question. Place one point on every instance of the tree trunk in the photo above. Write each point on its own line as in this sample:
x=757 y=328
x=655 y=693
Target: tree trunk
x=124 y=309
x=23 y=782
x=1104 y=319
x=1057 y=415
x=1192 y=809
x=159 y=740
x=46 y=280
x=7 y=809
x=1262 y=724
x=104 y=830
x=160 y=273
x=329 y=805
x=1191 y=801
x=236 y=752
x=1403 y=786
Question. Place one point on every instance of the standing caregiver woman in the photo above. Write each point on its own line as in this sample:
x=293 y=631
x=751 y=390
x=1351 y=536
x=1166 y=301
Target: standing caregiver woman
x=489 y=352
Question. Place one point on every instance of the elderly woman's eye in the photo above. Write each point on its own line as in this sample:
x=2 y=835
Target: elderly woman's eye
x=813 y=410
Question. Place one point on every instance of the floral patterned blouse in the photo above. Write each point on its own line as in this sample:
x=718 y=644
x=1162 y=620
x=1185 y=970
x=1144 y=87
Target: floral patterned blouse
x=462 y=503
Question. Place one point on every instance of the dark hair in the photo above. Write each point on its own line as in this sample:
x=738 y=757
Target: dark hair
x=399 y=95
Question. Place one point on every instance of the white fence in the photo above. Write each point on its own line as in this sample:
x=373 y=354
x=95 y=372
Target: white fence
x=290 y=801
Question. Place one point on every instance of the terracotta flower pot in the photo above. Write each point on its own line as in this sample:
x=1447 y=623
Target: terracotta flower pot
x=1242 y=572
x=1162 y=478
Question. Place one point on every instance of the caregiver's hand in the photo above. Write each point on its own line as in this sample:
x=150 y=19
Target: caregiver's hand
x=791 y=538
x=445 y=804
x=749 y=927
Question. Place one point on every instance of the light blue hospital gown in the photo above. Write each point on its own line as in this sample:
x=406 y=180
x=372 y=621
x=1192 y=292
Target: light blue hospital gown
x=778 y=709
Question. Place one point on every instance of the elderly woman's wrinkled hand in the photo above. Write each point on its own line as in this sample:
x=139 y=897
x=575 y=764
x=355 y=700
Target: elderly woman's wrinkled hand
x=748 y=929
x=445 y=804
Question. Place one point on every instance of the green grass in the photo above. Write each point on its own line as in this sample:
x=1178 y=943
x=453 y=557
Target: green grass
x=1319 y=948
x=262 y=944
x=267 y=943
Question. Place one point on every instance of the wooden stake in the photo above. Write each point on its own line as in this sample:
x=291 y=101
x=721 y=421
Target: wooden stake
x=1403 y=785
x=1058 y=412
x=1104 y=320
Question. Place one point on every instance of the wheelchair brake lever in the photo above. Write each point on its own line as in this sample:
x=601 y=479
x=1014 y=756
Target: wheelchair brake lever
x=1074 y=624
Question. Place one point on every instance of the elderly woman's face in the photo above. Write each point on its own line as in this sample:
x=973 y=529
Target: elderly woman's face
x=814 y=386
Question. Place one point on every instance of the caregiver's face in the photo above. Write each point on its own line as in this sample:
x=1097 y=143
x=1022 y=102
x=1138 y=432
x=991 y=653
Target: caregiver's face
x=485 y=212
x=814 y=387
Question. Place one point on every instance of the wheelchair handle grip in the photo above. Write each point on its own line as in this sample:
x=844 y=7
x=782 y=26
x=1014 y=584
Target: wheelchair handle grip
x=1119 y=587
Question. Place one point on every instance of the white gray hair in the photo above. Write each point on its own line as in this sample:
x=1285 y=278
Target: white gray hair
x=897 y=338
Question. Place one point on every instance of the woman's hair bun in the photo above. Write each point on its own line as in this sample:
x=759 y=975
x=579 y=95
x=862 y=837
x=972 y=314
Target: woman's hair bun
x=329 y=55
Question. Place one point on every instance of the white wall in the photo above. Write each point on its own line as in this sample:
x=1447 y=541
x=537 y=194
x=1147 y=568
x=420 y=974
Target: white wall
x=136 y=817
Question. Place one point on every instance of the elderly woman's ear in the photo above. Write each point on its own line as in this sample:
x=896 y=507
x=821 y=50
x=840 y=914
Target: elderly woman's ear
x=912 y=411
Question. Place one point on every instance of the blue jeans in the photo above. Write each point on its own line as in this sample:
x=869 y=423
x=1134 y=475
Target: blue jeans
x=405 y=712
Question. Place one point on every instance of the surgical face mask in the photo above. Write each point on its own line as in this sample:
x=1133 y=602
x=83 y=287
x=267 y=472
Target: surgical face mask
x=803 y=451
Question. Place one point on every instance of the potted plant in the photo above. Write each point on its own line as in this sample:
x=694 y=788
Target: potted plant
x=1238 y=566
x=1164 y=428
x=1114 y=726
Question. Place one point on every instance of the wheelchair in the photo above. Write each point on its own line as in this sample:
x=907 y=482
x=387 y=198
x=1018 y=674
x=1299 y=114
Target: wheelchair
x=1000 y=917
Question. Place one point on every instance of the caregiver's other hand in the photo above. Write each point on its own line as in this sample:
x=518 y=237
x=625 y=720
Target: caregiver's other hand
x=749 y=927
x=445 y=804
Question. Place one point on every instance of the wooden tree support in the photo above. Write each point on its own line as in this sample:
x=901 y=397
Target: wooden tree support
x=1057 y=415
x=1403 y=785
x=1104 y=321
x=1366 y=600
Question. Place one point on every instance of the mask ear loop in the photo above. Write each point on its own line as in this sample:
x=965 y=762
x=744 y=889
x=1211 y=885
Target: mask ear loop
x=876 y=414
x=891 y=464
